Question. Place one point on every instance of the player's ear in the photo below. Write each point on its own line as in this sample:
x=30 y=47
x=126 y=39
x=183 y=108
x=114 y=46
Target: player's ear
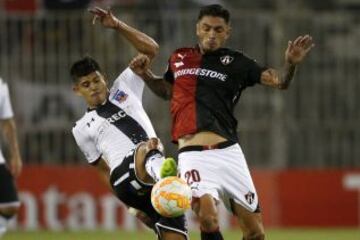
x=197 y=29
x=105 y=77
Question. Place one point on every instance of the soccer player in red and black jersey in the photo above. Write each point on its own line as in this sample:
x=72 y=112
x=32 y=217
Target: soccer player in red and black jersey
x=204 y=84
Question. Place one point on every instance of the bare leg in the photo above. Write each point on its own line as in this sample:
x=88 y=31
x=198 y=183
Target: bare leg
x=250 y=223
x=170 y=235
x=207 y=213
x=9 y=211
x=5 y=215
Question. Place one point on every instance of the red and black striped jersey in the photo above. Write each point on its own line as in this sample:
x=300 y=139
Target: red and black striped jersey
x=206 y=88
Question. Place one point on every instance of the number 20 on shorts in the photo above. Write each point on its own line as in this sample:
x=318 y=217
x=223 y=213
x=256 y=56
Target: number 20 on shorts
x=192 y=176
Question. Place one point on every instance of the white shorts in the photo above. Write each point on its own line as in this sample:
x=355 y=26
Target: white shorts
x=222 y=173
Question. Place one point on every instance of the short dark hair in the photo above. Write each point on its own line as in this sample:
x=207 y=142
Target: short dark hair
x=214 y=10
x=83 y=67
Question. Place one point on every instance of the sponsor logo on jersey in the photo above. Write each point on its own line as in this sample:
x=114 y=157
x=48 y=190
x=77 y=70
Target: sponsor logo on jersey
x=250 y=197
x=179 y=63
x=116 y=116
x=201 y=72
x=181 y=56
x=120 y=96
x=194 y=186
x=225 y=60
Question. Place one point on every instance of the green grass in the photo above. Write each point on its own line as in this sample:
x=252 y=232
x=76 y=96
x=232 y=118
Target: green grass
x=272 y=234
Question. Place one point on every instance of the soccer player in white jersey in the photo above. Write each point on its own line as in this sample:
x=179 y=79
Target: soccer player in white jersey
x=116 y=135
x=9 y=201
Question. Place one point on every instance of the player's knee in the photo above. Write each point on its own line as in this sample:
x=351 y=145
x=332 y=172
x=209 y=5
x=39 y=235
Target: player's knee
x=9 y=211
x=209 y=222
x=154 y=144
x=255 y=235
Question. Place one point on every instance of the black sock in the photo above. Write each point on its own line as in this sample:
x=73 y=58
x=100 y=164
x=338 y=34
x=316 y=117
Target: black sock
x=211 y=235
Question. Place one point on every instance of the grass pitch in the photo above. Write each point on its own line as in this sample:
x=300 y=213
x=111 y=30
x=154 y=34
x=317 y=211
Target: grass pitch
x=271 y=234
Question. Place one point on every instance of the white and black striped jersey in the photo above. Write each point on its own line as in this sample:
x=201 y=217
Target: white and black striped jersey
x=6 y=111
x=111 y=130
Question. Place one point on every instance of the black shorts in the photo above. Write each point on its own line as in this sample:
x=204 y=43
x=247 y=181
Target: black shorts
x=8 y=193
x=136 y=194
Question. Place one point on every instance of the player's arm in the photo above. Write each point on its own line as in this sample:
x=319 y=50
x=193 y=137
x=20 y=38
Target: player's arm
x=142 y=42
x=140 y=65
x=158 y=85
x=9 y=129
x=294 y=55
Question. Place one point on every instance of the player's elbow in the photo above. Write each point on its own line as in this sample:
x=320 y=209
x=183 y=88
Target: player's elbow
x=156 y=48
x=153 y=51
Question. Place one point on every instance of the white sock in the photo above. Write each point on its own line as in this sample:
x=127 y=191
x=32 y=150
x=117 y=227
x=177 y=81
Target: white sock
x=3 y=225
x=153 y=165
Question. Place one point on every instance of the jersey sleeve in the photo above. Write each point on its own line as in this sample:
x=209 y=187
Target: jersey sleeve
x=254 y=71
x=5 y=103
x=87 y=146
x=169 y=75
x=129 y=79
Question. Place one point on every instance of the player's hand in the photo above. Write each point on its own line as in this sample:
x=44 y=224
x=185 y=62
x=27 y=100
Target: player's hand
x=106 y=17
x=15 y=166
x=298 y=49
x=140 y=64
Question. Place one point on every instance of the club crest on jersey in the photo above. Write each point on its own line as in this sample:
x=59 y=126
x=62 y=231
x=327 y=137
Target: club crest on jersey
x=120 y=96
x=225 y=60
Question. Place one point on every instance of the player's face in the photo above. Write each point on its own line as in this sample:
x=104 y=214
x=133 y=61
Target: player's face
x=92 y=88
x=212 y=32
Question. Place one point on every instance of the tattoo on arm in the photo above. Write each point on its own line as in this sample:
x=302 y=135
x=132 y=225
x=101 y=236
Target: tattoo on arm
x=158 y=85
x=288 y=75
x=276 y=79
